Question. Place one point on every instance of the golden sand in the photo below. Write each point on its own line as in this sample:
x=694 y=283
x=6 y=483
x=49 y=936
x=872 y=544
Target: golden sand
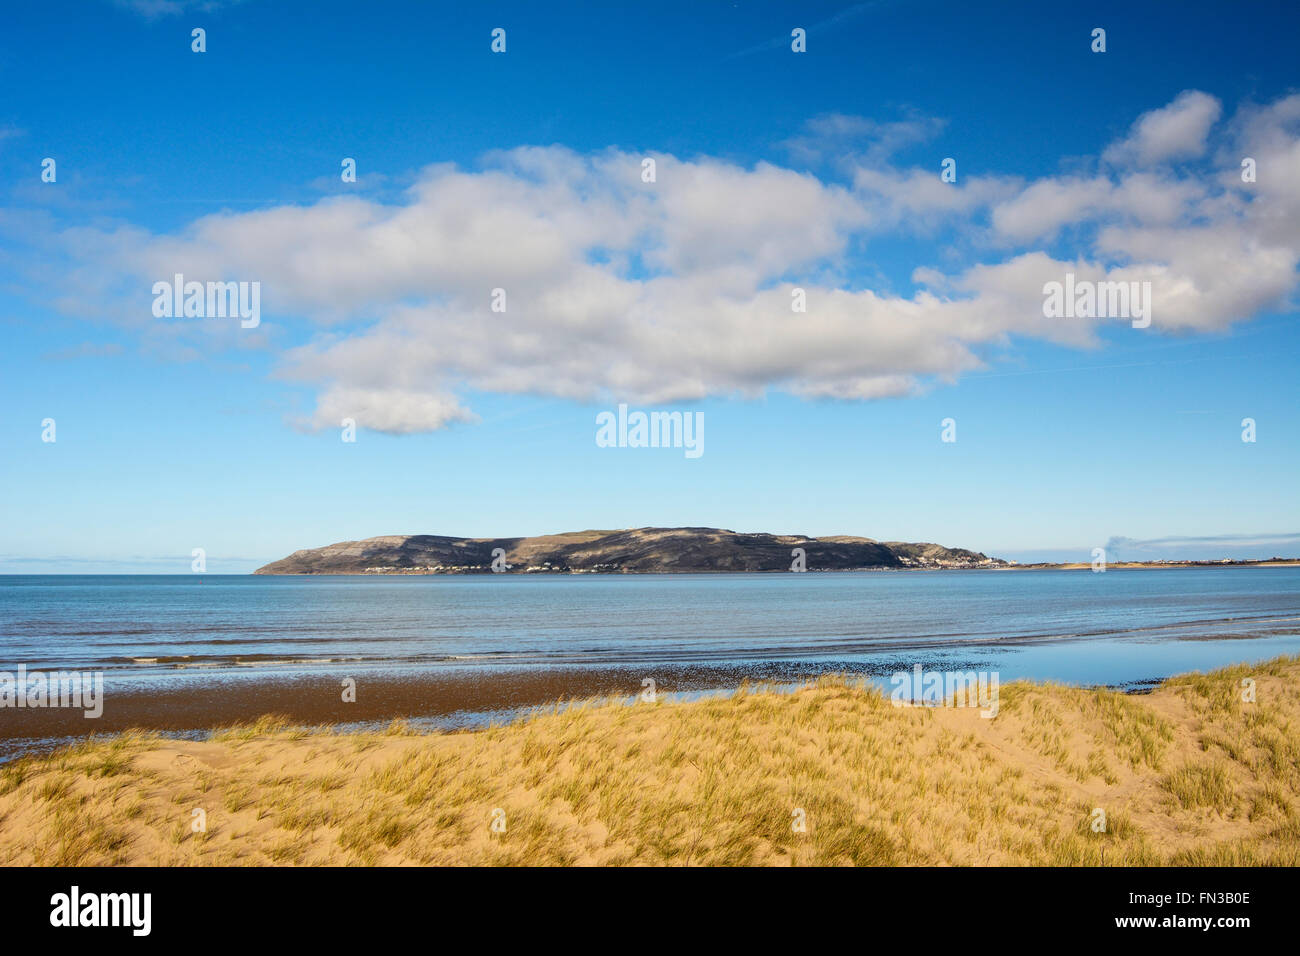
x=1189 y=774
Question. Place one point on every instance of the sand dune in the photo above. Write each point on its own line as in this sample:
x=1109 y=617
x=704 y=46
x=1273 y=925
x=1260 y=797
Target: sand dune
x=1189 y=774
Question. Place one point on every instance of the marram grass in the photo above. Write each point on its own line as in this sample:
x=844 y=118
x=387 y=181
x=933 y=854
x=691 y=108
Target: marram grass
x=830 y=774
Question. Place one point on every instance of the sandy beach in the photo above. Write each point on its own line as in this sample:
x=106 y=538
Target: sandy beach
x=834 y=773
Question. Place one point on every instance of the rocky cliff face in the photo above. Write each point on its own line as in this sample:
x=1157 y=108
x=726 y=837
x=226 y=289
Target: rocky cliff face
x=636 y=550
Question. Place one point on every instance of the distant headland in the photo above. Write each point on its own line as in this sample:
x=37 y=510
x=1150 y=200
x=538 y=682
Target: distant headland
x=630 y=551
x=665 y=551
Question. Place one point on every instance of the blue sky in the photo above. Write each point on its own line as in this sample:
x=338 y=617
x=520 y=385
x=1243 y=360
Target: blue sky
x=775 y=170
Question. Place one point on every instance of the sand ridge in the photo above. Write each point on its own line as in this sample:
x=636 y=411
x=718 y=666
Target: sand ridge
x=1188 y=774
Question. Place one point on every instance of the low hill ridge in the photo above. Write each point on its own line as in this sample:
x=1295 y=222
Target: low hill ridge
x=631 y=550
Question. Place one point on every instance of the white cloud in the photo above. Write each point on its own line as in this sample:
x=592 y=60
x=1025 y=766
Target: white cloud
x=918 y=200
x=837 y=136
x=390 y=410
x=1047 y=205
x=681 y=288
x=1176 y=131
x=1041 y=210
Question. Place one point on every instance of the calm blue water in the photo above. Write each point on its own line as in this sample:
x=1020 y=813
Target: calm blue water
x=1118 y=627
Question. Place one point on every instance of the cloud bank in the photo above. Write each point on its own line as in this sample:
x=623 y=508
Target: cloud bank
x=617 y=289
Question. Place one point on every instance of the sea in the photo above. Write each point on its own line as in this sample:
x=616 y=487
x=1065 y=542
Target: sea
x=1125 y=628
x=1117 y=627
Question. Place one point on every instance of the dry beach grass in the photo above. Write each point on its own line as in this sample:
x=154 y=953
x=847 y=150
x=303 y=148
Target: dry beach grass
x=1188 y=774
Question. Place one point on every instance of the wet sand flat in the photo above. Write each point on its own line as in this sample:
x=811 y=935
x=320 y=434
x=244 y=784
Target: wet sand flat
x=198 y=706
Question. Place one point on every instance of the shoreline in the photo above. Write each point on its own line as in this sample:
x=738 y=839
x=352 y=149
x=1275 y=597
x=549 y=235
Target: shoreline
x=479 y=696
x=1007 y=566
x=1152 y=565
x=1037 y=566
x=311 y=701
